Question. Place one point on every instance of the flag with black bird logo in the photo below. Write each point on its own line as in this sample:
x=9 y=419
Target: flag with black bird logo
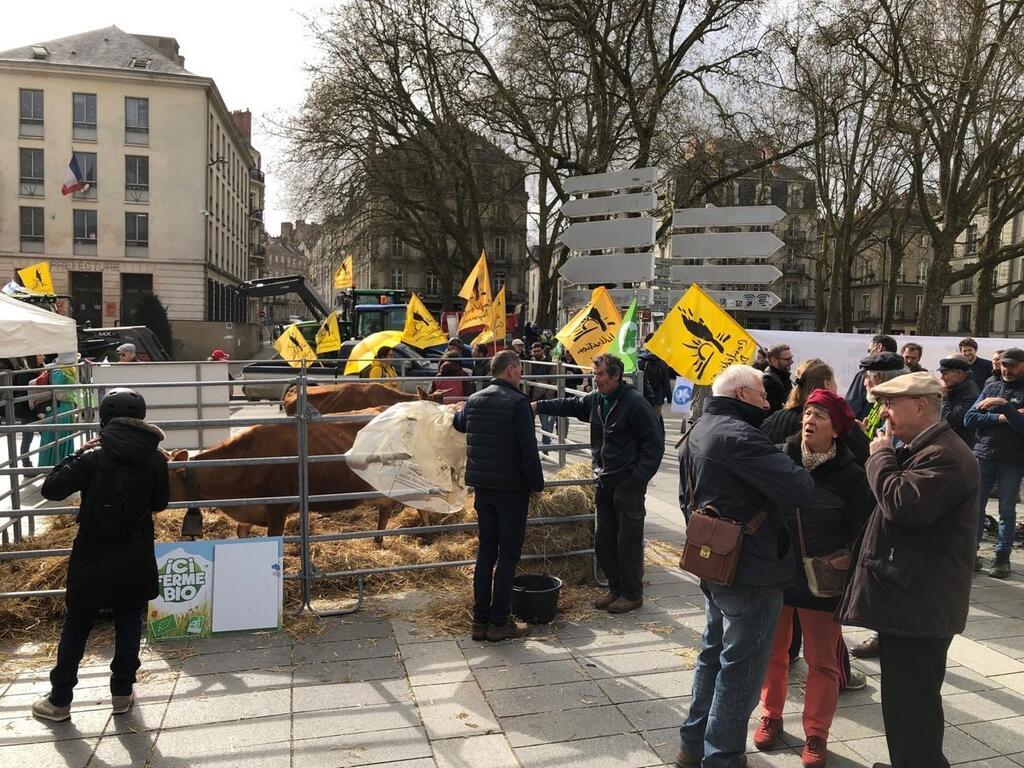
x=591 y=330
x=328 y=337
x=293 y=347
x=421 y=329
x=477 y=293
x=496 y=331
x=344 y=276
x=37 y=278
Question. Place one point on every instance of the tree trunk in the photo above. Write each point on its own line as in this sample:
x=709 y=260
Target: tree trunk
x=891 y=280
x=984 y=302
x=935 y=288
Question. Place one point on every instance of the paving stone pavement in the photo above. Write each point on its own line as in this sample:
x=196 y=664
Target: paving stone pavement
x=608 y=693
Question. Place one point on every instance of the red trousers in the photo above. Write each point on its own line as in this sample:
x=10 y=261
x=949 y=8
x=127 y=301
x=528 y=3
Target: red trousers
x=821 y=638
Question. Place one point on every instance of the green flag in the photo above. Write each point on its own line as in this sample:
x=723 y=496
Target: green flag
x=624 y=344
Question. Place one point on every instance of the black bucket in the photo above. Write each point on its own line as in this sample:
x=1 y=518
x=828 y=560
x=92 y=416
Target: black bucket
x=535 y=597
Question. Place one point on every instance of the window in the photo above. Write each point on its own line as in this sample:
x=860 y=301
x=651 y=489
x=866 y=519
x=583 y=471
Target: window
x=944 y=317
x=140 y=63
x=136 y=179
x=901 y=275
x=397 y=279
x=967 y=285
x=791 y=293
x=499 y=281
x=87 y=165
x=32 y=222
x=966 y=311
x=136 y=121
x=85 y=232
x=898 y=306
x=136 y=234
x=922 y=271
x=134 y=287
x=83 y=116
x=432 y=283
x=918 y=303
x=500 y=250
x=396 y=247
x=865 y=302
x=971 y=246
x=31 y=171
x=1020 y=317
x=31 y=120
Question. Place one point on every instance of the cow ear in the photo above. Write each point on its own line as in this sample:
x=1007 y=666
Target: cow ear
x=179 y=455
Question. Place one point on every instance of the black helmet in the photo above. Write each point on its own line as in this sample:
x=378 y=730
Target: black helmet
x=122 y=402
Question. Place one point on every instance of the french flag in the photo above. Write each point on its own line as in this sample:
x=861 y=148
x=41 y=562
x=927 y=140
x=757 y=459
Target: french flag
x=74 y=179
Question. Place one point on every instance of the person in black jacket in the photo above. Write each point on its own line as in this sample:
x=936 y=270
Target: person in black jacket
x=959 y=393
x=503 y=468
x=25 y=412
x=831 y=521
x=657 y=378
x=857 y=395
x=981 y=369
x=481 y=366
x=627 y=444
x=122 y=476
x=777 y=381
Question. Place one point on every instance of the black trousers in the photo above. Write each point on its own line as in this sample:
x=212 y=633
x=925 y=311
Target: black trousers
x=913 y=669
x=73 y=636
x=619 y=539
x=501 y=523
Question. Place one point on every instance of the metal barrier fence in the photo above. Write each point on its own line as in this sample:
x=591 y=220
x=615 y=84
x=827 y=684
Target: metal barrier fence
x=22 y=477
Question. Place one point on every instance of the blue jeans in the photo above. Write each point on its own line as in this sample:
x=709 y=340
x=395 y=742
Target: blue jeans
x=547 y=424
x=501 y=523
x=730 y=671
x=1008 y=474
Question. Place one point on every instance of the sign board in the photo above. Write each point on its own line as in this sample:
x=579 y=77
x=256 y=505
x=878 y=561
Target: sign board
x=682 y=395
x=749 y=300
x=609 y=268
x=729 y=216
x=617 y=233
x=640 y=202
x=725 y=245
x=762 y=274
x=609 y=182
x=621 y=296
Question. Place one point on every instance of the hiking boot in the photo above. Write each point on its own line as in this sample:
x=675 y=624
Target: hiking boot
x=510 y=630
x=624 y=605
x=856 y=680
x=686 y=759
x=44 y=710
x=1001 y=567
x=122 y=704
x=602 y=603
x=479 y=631
x=815 y=753
x=866 y=650
x=767 y=733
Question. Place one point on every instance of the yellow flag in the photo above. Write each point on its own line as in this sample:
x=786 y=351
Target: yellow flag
x=345 y=276
x=292 y=346
x=699 y=339
x=37 y=278
x=592 y=329
x=477 y=293
x=497 y=329
x=421 y=329
x=328 y=337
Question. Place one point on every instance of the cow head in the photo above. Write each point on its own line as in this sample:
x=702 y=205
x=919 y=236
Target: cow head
x=434 y=397
x=176 y=475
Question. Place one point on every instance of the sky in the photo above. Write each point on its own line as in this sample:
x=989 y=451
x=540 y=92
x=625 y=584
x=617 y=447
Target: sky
x=256 y=53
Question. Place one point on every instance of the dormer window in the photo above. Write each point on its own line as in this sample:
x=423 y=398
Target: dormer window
x=40 y=52
x=140 y=63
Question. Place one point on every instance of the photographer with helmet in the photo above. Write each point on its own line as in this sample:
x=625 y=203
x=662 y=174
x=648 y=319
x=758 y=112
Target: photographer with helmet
x=122 y=476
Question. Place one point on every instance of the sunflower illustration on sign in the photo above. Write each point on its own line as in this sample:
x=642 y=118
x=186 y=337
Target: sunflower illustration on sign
x=699 y=339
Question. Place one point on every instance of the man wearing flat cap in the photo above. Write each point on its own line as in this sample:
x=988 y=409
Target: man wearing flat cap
x=959 y=392
x=911 y=581
x=999 y=424
x=878 y=368
x=126 y=353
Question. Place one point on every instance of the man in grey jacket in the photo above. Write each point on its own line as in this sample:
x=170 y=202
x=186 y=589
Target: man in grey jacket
x=733 y=467
x=627 y=444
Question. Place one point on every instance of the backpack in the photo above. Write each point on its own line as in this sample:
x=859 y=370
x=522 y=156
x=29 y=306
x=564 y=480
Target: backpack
x=110 y=516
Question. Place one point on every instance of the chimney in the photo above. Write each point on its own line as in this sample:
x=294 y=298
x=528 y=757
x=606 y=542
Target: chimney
x=243 y=122
x=286 y=230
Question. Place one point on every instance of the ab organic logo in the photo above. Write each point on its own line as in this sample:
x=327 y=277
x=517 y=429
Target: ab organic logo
x=181 y=579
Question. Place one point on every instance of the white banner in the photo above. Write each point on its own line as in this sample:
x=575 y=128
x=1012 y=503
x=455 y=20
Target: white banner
x=682 y=395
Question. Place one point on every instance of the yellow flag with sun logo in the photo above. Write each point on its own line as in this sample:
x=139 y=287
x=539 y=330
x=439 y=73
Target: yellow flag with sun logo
x=699 y=339
x=37 y=278
x=344 y=276
x=477 y=293
x=592 y=329
x=293 y=347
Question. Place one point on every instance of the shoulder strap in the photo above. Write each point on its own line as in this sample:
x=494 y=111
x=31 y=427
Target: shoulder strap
x=751 y=528
x=800 y=534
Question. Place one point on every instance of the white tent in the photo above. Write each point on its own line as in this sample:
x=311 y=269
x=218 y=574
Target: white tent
x=29 y=330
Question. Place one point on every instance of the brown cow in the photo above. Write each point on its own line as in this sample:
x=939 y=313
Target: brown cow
x=195 y=482
x=354 y=395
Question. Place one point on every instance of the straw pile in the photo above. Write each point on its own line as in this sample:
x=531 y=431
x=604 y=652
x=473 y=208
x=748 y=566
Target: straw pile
x=38 y=619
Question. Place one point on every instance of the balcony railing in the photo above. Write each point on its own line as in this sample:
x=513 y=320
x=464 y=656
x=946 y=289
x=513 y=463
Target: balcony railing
x=256 y=175
x=256 y=214
x=257 y=249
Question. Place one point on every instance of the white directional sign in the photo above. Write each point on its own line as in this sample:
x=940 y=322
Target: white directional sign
x=725 y=245
x=609 y=268
x=609 y=182
x=617 y=233
x=621 y=296
x=729 y=216
x=640 y=202
x=761 y=274
x=749 y=300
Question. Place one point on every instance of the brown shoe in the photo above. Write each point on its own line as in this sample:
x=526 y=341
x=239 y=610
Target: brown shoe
x=686 y=759
x=869 y=649
x=624 y=605
x=510 y=630
x=602 y=603
x=479 y=631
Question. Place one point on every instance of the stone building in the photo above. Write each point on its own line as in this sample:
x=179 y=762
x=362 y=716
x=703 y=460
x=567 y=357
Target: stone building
x=290 y=254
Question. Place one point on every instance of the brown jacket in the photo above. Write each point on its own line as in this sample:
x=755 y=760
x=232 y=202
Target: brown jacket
x=915 y=559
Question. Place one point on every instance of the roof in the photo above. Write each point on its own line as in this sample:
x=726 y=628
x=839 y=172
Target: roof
x=107 y=48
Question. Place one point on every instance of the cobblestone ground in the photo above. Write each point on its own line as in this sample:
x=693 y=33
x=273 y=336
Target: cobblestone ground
x=610 y=692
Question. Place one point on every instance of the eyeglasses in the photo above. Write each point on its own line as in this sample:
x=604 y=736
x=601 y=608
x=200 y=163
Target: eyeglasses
x=761 y=394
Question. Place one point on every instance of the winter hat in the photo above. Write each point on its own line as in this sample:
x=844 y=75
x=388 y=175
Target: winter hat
x=838 y=409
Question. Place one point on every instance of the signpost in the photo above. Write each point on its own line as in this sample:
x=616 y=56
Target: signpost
x=609 y=268
x=730 y=216
x=725 y=245
x=751 y=300
x=640 y=202
x=612 y=233
x=761 y=274
x=631 y=178
x=621 y=296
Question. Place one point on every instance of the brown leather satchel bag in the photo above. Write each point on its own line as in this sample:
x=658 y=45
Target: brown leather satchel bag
x=826 y=574
x=713 y=542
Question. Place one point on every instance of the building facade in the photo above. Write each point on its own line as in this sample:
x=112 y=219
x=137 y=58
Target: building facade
x=289 y=254
x=169 y=203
